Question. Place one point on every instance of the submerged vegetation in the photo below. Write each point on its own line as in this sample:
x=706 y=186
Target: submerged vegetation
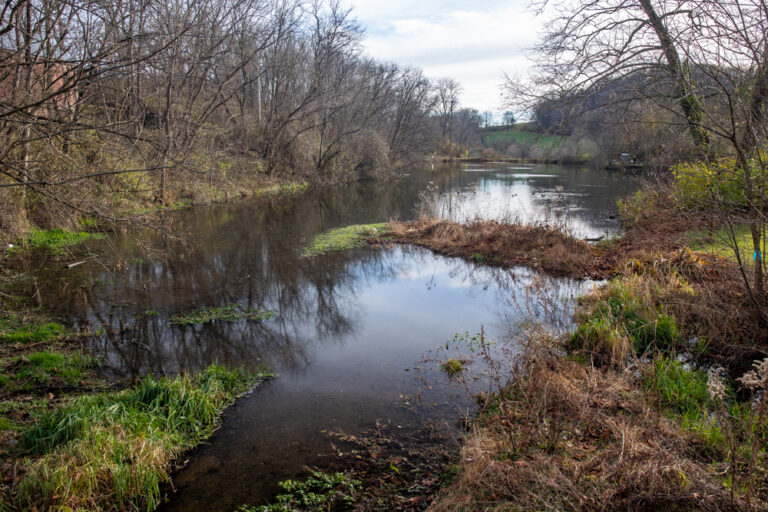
x=452 y=367
x=222 y=314
x=112 y=451
x=344 y=238
x=320 y=491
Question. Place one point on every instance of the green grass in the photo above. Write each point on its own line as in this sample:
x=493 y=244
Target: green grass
x=523 y=139
x=112 y=451
x=718 y=242
x=624 y=315
x=320 y=491
x=46 y=369
x=683 y=393
x=682 y=389
x=33 y=332
x=55 y=240
x=344 y=238
x=223 y=314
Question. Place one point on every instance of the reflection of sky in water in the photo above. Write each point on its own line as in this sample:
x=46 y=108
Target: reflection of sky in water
x=403 y=305
x=580 y=200
x=349 y=323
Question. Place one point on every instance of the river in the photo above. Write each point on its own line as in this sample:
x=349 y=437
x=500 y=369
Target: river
x=353 y=330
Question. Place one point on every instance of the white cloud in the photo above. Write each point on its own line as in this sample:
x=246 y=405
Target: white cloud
x=474 y=44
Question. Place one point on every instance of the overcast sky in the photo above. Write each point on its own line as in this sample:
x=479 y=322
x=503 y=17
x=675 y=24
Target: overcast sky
x=473 y=42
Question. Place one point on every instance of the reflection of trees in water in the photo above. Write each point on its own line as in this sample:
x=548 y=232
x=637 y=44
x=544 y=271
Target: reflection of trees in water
x=315 y=300
x=250 y=253
x=530 y=297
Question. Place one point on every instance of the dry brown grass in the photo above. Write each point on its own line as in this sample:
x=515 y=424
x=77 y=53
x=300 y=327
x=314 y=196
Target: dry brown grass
x=538 y=247
x=570 y=437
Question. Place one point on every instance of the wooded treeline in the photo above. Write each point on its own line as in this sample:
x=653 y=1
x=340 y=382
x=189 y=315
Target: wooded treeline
x=104 y=105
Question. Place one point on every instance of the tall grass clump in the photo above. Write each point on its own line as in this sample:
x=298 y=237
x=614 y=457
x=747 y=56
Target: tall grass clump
x=112 y=451
x=623 y=318
x=684 y=390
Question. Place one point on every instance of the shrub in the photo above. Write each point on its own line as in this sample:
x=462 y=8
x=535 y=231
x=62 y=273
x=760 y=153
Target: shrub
x=701 y=183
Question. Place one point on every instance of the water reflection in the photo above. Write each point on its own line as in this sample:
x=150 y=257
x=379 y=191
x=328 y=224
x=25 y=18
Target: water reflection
x=581 y=200
x=399 y=304
x=349 y=323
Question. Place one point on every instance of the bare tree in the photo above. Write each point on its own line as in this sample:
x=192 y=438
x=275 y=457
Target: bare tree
x=447 y=91
x=588 y=45
x=139 y=100
x=703 y=62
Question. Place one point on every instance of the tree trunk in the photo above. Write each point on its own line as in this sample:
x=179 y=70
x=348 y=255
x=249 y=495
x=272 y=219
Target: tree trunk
x=680 y=71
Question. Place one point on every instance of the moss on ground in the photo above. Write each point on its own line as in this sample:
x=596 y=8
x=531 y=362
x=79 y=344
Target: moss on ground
x=344 y=238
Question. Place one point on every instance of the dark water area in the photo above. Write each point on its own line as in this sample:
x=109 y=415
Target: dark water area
x=353 y=328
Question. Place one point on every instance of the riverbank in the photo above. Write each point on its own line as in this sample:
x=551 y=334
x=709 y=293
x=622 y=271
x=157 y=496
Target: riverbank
x=107 y=450
x=212 y=265
x=73 y=439
x=132 y=197
x=657 y=400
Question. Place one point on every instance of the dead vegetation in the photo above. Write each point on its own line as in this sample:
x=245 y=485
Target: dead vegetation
x=611 y=418
x=539 y=247
x=565 y=436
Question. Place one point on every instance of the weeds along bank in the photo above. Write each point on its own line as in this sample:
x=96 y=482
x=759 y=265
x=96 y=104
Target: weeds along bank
x=91 y=204
x=106 y=450
x=625 y=413
x=659 y=398
x=69 y=440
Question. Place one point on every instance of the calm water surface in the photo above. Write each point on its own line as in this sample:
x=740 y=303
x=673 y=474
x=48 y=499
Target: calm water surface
x=350 y=324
